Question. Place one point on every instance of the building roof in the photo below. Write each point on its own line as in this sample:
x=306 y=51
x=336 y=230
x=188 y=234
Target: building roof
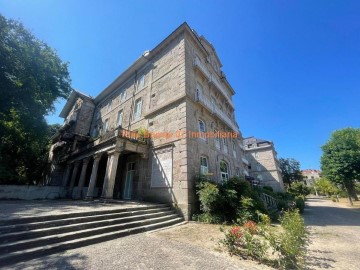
x=75 y=94
x=252 y=139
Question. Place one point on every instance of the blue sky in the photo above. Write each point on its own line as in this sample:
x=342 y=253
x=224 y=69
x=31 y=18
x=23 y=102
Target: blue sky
x=295 y=65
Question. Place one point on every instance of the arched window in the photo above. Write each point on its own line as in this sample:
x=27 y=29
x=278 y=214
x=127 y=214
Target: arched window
x=202 y=130
x=224 y=170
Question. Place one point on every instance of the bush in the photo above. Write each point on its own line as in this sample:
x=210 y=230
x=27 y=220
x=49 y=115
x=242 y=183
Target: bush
x=268 y=188
x=208 y=196
x=300 y=203
x=298 y=189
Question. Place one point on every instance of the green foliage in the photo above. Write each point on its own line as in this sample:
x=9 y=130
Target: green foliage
x=32 y=77
x=290 y=170
x=268 y=188
x=325 y=187
x=228 y=201
x=300 y=203
x=298 y=188
x=340 y=162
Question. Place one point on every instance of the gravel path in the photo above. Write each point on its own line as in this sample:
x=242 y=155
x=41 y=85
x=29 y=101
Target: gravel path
x=142 y=251
x=335 y=235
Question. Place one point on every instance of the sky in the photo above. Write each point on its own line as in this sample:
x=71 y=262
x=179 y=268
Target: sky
x=295 y=65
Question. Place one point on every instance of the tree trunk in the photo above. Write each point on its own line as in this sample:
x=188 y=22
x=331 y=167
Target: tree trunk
x=348 y=190
x=352 y=191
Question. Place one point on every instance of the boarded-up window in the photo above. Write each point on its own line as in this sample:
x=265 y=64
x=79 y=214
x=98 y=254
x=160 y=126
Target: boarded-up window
x=162 y=163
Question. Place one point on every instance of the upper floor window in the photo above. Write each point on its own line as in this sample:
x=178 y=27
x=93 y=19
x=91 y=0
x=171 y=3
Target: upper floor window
x=137 y=109
x=109 y=106
x=106 y=126
x=204 y=168
x=120 y=118
x=258 y=167
x=225 y=146
x=217 y=139
x=142 y=81
x=224 y=170
x=198 y=92
x=202 y=130
x=123 y=95
x=237 y=172
x=234 y=149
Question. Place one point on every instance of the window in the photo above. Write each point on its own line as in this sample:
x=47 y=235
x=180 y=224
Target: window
x=256 y=155
x=258 y=167
x=237 y=172
x=213 y=103
x=137 y=110
x=95 y=132
x=202 y=130
x=120 y=118
x=217 y=139
x=234 y=149
x=198 y=92
x=123 y=95
x=106 y=126
x=224 y=172
x=109 y=106
x=225 y=145
x=204 y=168
x=142 y=81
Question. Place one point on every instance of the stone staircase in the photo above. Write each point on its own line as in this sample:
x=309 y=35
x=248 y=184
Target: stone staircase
x=30 y=237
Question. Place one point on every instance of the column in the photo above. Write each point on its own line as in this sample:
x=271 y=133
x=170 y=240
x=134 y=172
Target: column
x=82 y=178
x=73 y=178
x=66 y=175
x=109 y=181
x=93 y=178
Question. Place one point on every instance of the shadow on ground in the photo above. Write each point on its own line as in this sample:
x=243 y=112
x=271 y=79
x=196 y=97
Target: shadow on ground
x=317 y=260
x=55 y=261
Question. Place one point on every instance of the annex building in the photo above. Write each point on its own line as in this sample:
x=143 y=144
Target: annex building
x=166 y=119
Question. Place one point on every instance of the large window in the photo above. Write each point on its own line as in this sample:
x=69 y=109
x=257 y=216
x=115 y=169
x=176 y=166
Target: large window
x=234 y=148
x=109 y=106
x=142 y=81
x=225 y=144
x=198 y=92
x=204 y=168
x=123 y=95
x=120 y=118
x=137 y=109
x=224 y=171
x=217 y=139
x=202 y=130
x=106 y=126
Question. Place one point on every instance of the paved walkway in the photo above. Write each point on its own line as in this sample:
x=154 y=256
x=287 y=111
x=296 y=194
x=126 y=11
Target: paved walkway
x=16 y=209
x=335 y=235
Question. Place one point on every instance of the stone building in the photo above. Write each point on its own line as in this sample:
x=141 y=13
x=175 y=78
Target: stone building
x=264 y=165
x=166 y=119
x=310 y=176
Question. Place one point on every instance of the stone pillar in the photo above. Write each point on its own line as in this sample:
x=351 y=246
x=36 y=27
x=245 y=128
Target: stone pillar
x=73 y=178
x=66 y=176
x=109 y=181
x=82 y=178
x=93 y=178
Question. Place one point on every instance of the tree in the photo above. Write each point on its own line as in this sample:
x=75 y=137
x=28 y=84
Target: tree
x=340 y=162
x=326 y=187
x=32 y=78
x=299 y=189
x=290 y=170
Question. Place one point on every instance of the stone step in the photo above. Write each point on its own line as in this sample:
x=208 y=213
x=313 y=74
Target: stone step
x=108 y=220
x=67 y=236
x=30 y=253
x=17 y=228
x=26 y=220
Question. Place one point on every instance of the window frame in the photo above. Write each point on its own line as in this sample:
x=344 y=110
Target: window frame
x=200 y=131
x=120 y=112
x=137 y=113
x=224 y=176
x=204 y=169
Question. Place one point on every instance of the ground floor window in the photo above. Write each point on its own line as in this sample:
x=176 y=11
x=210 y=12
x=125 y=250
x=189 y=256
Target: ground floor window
x=224 y=170
x=204 y=168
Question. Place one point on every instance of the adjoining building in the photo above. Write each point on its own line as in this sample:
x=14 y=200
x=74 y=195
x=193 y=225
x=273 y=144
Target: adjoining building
x=264 y=165
x=310 y=176
x=166 y=119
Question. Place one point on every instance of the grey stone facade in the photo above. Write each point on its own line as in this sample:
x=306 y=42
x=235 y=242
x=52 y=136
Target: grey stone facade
x=263 y=163
x=139 y=138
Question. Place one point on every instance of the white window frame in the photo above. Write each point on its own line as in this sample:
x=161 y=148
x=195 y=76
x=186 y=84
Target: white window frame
x=217 y=139
x=225 y=145
x=123 y=95
x=120 y=113
x=234 y=148
x=142 y=81
x=137 y=109
x=202 y=131
x=224 y=175
x=204 y=165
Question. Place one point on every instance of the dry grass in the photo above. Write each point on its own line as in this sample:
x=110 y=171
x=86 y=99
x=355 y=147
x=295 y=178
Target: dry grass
x=345 y=202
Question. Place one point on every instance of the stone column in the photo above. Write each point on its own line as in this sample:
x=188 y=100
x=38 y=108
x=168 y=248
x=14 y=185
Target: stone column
x=93 y=178
x=82 y=178
x=109 y=181
x=66 y=175
x=73 y=178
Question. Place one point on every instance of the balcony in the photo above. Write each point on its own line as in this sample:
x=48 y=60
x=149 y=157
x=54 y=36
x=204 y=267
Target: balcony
x=213 y=79
x=215 y=110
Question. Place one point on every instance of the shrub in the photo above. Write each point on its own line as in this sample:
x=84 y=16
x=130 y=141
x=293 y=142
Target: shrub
x=208 y=218
x=298 y=188
x=300 y=203
x=208 y=196
x=268 y=188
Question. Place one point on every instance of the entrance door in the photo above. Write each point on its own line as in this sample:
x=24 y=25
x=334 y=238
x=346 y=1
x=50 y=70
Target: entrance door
x=129 y=180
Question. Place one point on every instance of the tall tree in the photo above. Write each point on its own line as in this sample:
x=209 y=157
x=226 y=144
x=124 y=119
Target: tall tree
x=340 y=161
x=32 y=77
x=290 y=170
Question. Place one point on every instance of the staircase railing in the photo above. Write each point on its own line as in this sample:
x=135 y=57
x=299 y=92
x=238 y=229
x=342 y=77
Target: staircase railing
x=271 y=202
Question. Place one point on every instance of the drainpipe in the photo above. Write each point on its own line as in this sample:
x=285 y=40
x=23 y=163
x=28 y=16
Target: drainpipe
x=133 y=101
